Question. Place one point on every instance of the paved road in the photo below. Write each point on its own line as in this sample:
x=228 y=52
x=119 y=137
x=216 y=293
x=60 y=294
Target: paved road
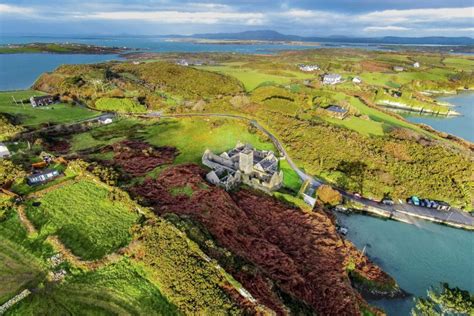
x=454 y=216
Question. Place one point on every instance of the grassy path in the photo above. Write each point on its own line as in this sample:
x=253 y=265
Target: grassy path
x=30 y=228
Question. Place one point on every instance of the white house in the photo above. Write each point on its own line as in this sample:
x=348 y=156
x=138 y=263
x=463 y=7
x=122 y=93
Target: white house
x=398 y=68
x=43 y=100
x=332 y=79
x=106 y=121
x=356 y=80
x=416 y=65
x=4 y=152
x=182 y=62
x=308 y=68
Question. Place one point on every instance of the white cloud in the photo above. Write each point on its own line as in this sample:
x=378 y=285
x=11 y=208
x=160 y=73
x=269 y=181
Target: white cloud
x=418 y=15
x=179 y=17
x=420 y=22
x=11 y=9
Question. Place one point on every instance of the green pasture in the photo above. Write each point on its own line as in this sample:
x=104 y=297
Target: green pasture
x=192 y=136
x=252 y=78
x=29 y=116
x=120 y=105
x=85 y=218
x=121 y=288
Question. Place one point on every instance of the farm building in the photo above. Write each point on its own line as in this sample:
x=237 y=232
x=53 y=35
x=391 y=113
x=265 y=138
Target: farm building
x=337 y=111
x=4 y=152
x=41 y=100
x=416 y=65
x=398 y=68
x=332 y=79
x=105 y=120
x=356 y=80
x=308 y=68
x=39 y=178
x=182 y=62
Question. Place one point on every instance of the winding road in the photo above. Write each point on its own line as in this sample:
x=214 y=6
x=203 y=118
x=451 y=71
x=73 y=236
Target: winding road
x=454 y=217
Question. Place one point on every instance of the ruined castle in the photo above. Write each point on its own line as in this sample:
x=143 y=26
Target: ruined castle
x=244 y=164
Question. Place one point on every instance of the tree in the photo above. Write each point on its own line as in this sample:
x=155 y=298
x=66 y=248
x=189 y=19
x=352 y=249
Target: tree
x=328 y=195
x=354 y=170
x=9 y=172
x=445 y=301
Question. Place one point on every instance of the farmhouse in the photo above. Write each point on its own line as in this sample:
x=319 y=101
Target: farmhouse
x=4 y=152
x=332 y=79
x=337 y=111
x=356 y=80
x=308 y=68
x=416 y=65
x=398 y=68
x=39 y=178
x=182 y=62
x=244 y=164
x=41 y=100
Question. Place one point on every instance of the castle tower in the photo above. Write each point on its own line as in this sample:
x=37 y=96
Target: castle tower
x=246 y=161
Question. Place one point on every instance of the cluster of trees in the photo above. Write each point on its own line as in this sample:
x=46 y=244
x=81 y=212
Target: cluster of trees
x=445 y=300
x=10 y=172
x=7 y=129
x=184 y=81
x=378 y=165
x=127 y=86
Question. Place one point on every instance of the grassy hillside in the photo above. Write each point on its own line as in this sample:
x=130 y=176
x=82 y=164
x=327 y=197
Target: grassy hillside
x=118 y=289
x=26 y=115
x=90 y=219
x=19 y=269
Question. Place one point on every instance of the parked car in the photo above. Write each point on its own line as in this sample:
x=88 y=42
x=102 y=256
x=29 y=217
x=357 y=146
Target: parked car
x=387 y=201
x=414 y=200
x=357 y=195
x=425 y=203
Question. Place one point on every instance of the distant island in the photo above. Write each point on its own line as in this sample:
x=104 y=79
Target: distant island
x=60 y=48
x=241 y=41
x=270 y=35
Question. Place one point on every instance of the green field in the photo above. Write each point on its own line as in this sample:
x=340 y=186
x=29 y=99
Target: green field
x=19 y=269
x=252 y=78
x=120 y=105
x=85 y=217
x=192 y=136
x=21 y=265
x=121 y=288
x=29 y=116
x=290 y=177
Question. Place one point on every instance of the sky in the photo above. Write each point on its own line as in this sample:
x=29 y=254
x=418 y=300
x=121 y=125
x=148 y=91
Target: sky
x=366 y=18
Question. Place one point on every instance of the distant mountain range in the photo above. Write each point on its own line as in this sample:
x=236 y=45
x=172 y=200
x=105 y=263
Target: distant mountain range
x=270 y=35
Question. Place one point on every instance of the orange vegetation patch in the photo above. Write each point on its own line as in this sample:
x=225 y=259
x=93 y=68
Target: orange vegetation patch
x=374 y=66
x=138 y=158
x=301 y=253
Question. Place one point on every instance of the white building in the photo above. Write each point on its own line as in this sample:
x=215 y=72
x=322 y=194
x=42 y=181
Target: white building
x=398 y=68
x=4 y=152
x=308 y=68
x=356 y=80
x=182 y=62
x=416 y=65
x=332 y=79
x=105 y=121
